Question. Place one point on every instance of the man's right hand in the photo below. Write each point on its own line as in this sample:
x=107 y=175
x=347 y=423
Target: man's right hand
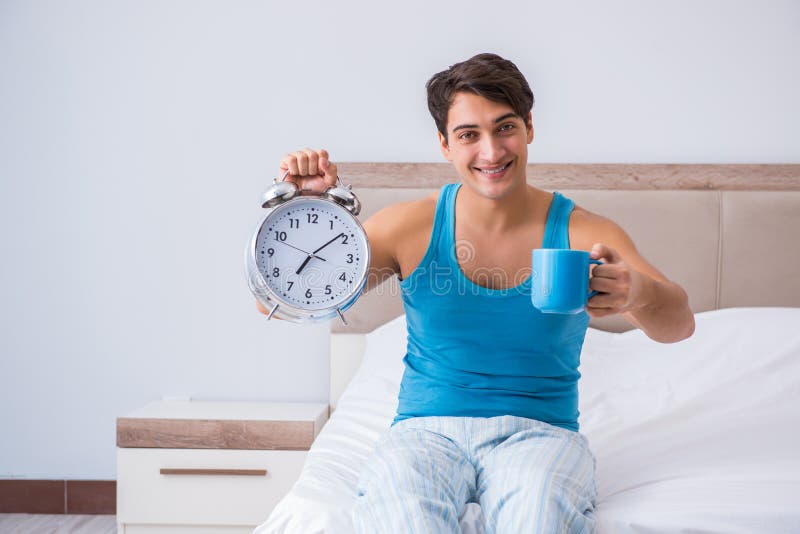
x=311 y=170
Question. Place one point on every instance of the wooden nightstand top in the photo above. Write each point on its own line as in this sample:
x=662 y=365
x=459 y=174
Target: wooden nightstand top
x=222 y=425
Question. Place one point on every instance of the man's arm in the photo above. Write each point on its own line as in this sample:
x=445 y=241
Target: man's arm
x=398 y=236
x=629 y=285
x=381 y=231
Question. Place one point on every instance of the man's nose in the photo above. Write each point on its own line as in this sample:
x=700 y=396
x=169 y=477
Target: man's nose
x=491 y=149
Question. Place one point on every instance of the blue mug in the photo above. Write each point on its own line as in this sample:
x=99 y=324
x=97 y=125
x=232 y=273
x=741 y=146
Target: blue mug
x=560 y=280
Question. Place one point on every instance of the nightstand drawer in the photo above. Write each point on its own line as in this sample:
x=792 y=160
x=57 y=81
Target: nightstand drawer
x=202 y=486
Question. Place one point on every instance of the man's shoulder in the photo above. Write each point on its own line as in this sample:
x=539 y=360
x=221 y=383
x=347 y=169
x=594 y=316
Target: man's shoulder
x=399 y=232
x=421 y=207
x=587 y=228
x=582 y=216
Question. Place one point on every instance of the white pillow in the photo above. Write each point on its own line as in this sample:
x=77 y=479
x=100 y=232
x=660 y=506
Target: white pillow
x=385 y=350
x=629 y=378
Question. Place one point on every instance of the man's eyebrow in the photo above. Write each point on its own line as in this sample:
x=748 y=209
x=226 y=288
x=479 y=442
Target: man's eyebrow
x=498 y=119
x=504 y=117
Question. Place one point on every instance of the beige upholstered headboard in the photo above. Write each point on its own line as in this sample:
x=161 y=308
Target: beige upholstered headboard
x=729 y=234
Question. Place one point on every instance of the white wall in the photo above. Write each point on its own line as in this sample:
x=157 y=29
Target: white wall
x=135 y=138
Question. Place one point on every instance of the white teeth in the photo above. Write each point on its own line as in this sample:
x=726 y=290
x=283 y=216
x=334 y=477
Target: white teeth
x=495 y=171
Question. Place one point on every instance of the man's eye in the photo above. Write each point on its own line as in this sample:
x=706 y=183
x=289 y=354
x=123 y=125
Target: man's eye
x=506 y=127
x=467 y=135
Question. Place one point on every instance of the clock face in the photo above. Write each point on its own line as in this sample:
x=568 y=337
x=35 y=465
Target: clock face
x=312 y=253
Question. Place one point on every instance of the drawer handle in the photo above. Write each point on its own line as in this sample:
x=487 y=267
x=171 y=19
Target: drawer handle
x=235 y=472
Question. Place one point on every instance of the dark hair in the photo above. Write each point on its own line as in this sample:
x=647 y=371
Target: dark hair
x=486 y=75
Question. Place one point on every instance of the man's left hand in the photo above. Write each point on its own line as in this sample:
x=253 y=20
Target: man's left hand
x=619 y=286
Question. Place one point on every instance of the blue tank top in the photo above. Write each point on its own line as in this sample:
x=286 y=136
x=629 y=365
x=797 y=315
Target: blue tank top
x=480 y=352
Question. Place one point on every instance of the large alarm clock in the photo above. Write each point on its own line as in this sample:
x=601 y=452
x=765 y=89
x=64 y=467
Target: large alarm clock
x=309 y=256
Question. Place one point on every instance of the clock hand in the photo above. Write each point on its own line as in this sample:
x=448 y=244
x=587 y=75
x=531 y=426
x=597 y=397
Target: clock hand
x=303 y=251
x=312 y=254
x=340 y=234
x=305 y=262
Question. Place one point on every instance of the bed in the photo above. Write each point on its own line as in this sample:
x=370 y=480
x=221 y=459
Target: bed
x=697 y=436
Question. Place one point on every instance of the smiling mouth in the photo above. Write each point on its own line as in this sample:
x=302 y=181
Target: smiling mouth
x=493 y=171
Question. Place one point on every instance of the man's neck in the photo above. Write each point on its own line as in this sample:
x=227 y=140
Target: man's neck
x=500 y=215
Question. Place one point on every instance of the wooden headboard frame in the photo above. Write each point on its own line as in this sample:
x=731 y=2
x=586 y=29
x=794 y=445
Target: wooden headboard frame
x=732 y=240
x=613 y=176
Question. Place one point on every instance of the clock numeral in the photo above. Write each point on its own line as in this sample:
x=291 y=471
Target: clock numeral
x=349 y=258
x=312 y=218
x=344 y=239
x=271 y=252
x=327 y=290
x=308 y=293
x=294 y=223
x=342 y=277
x=290 y=285
x=331 y=224
x=280 y=236
x=276 y=272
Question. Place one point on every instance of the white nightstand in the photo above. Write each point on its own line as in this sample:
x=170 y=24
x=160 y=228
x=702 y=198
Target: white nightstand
x=192 y=467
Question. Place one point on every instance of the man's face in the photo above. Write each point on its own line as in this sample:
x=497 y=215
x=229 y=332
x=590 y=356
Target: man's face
x=488 y=144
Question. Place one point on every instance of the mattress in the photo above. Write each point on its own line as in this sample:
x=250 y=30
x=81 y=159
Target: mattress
x=697 y=436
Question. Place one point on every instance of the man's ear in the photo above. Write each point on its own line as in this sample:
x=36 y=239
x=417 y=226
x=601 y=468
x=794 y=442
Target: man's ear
x=529 y=127
x=444 y=147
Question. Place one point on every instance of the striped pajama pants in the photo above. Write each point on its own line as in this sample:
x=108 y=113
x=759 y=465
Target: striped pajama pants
x=527 y=476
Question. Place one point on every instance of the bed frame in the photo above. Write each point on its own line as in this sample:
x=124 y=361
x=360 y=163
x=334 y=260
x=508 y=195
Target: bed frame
x=733 y=239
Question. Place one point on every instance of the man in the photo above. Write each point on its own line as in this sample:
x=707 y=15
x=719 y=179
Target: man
x=487 y=408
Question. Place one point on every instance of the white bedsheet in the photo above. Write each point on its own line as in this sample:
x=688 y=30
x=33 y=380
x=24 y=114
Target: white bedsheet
x=697 y=436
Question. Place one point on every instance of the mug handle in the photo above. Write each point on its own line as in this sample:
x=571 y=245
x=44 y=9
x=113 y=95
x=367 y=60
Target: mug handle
x=594 y=292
